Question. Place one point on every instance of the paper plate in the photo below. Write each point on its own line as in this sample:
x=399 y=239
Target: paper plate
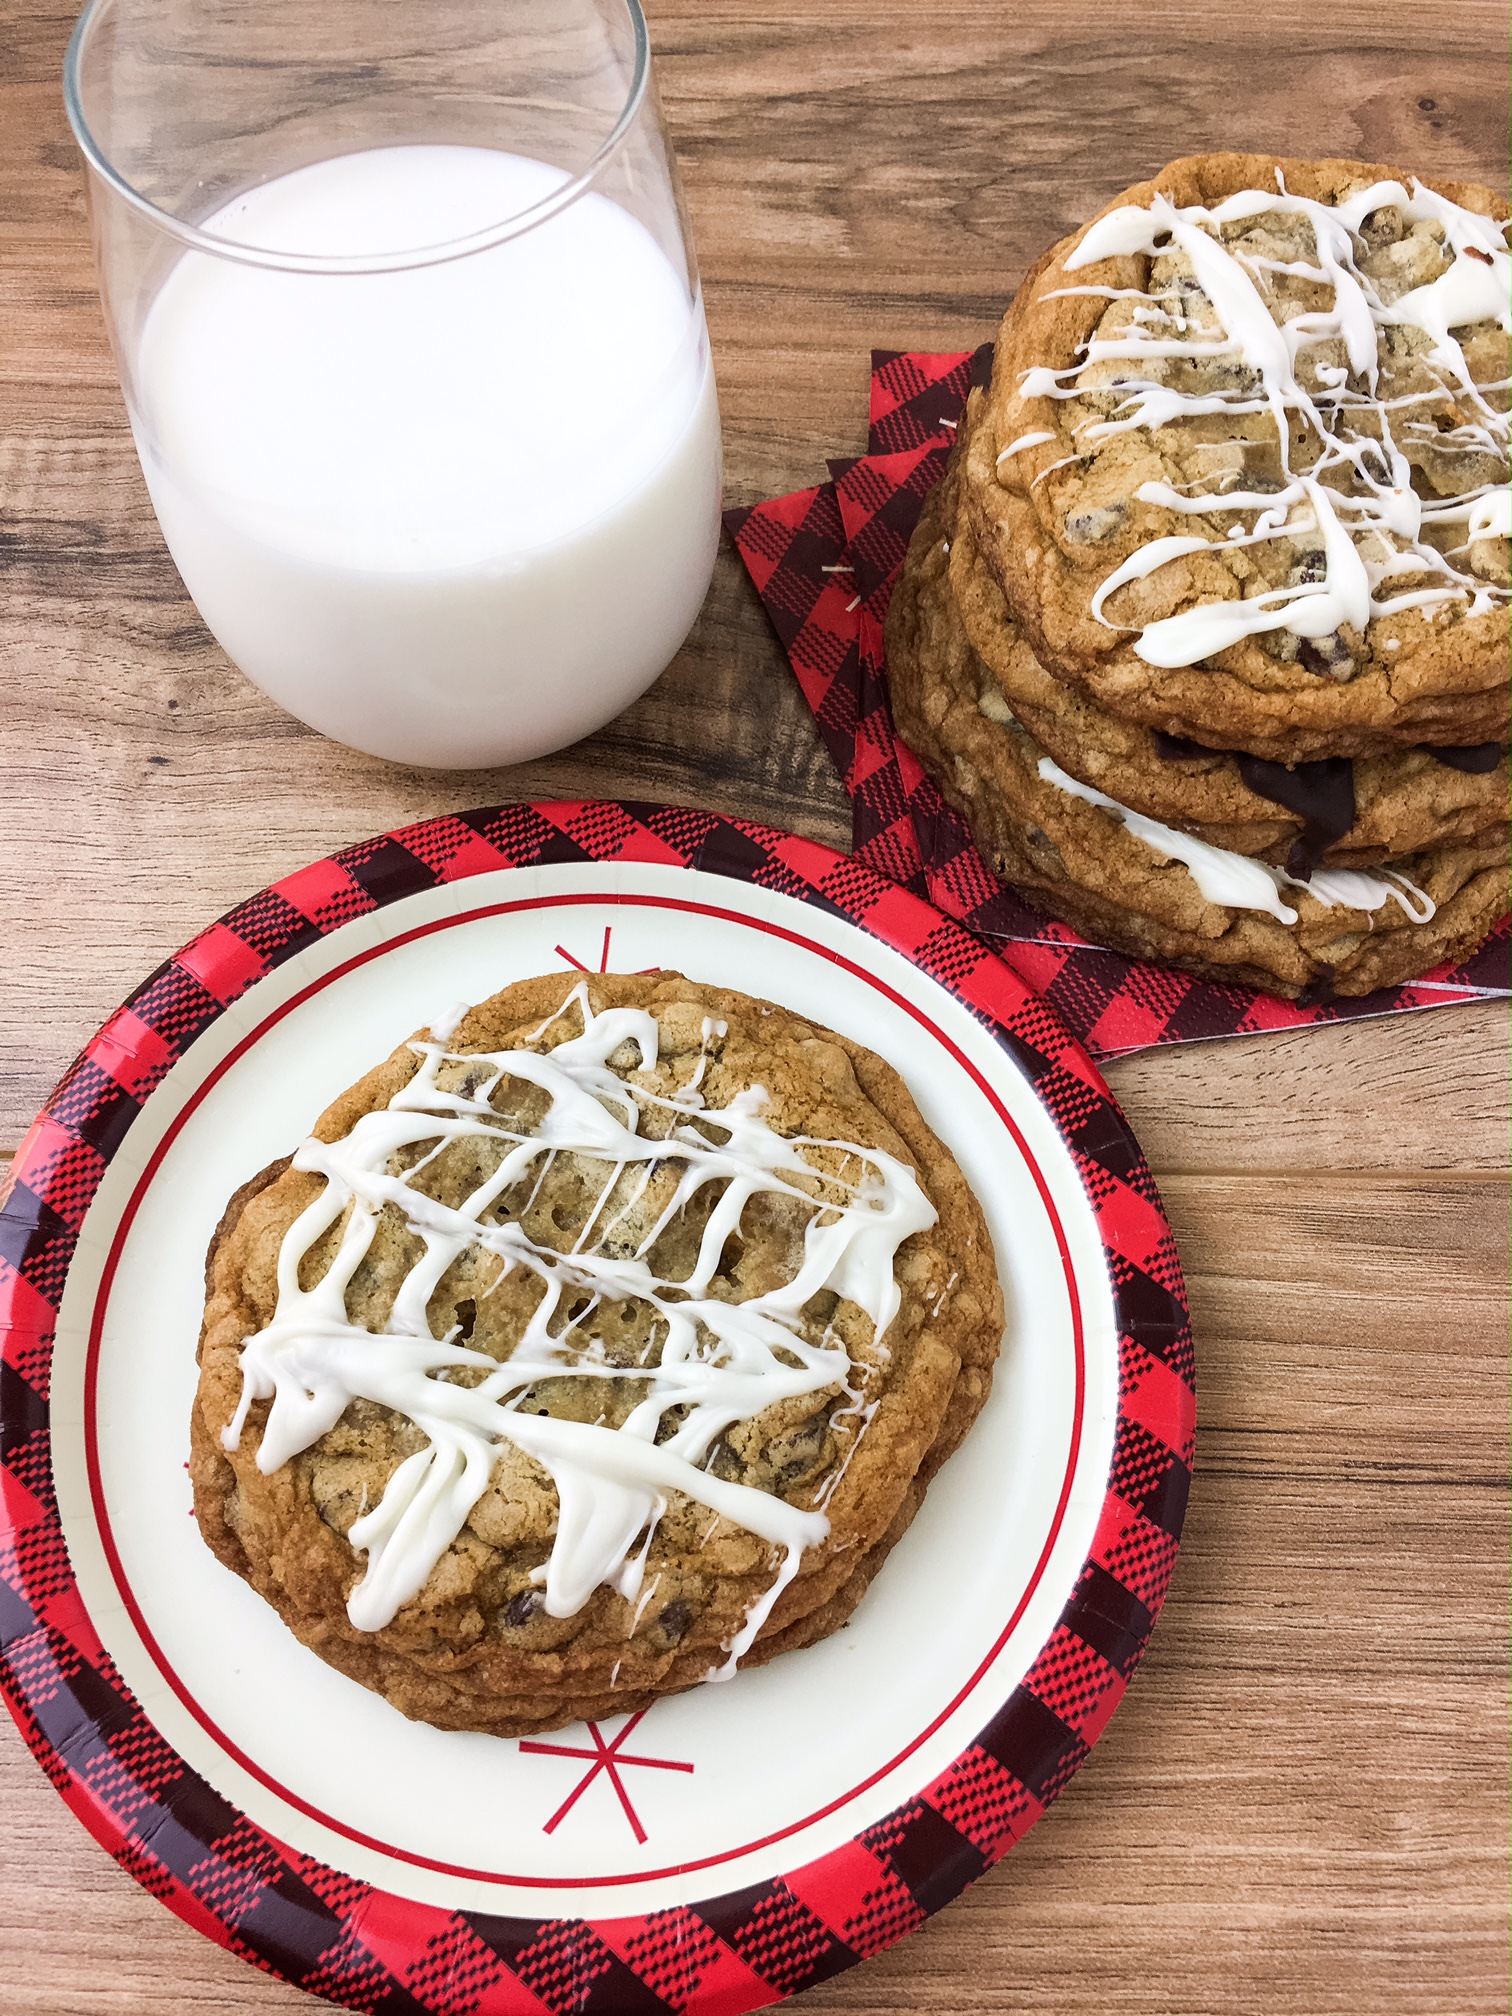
x=733 y=1844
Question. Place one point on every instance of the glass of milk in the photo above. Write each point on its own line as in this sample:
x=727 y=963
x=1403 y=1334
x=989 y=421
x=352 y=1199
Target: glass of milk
x=406 y=315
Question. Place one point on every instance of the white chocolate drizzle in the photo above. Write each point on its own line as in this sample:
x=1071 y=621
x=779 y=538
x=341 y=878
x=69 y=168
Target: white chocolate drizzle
x=720 y=1362
x=1355 y=502
x=1238 y=881
x=1031 y=440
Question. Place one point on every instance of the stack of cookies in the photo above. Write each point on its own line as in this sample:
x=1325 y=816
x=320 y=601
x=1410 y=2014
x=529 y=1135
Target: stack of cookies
x=1205 y=631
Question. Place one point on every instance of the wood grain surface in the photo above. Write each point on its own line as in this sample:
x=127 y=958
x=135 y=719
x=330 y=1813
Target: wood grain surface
x=1302 y=1805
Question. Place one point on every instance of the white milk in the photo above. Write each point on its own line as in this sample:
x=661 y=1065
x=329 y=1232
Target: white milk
x=457 y=515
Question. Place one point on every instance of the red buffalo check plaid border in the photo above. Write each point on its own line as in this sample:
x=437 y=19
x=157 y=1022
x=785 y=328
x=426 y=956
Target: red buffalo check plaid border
x=824 y=562
x=367 y=1949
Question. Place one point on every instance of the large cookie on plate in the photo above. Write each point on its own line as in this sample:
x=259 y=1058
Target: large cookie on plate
x=1243 y=476
x=589 y=1349
x=1124 y=881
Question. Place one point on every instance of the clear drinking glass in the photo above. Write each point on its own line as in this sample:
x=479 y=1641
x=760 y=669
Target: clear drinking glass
x=404 y=305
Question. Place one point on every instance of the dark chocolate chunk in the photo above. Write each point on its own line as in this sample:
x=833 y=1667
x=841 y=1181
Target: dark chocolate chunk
x=981 y=366
x=1474 y=758
x=674 y=1619
x=795 y=1454
x=1179 y=749
x=1322 y=793
x=520 y=1609
x=1318 y=993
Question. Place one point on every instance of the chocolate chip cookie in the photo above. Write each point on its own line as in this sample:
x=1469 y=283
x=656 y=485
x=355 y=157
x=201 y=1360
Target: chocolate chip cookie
x=589 y=1350
x=1342 y=811
x=1243 y=476
x=1139 y=886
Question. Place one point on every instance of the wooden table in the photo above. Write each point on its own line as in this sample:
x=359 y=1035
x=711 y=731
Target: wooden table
x=1302 y=1806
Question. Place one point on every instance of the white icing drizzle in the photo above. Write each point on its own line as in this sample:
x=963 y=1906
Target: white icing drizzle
x=1241 y=883
x=1372 y=529
x=1024 y=441
x=446 y=1026
x=1491 y=516
x=640 y=1604
x=721 y=1362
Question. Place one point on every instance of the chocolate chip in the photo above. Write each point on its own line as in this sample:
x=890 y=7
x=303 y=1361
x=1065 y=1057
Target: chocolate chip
x=338 y=1512
x=1279 y=644
x=1318 y=993
x=1086 y=528
x=674 y=1619
x=981 y=366
x=724 y=1463
x=1476 y=759
x=793 y=1455
x=1322 y=793
x=1330 y=657
x=1179 y=749
x=467 y=1316
x=520 y=1609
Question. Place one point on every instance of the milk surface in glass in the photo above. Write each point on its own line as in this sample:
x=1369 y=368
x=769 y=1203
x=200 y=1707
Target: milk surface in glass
x=454 y=515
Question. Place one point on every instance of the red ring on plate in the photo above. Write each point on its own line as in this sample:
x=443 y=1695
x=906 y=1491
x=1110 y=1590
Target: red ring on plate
x=364 y=1947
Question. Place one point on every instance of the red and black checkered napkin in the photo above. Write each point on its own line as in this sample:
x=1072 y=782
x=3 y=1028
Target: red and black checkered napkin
x=824 y=562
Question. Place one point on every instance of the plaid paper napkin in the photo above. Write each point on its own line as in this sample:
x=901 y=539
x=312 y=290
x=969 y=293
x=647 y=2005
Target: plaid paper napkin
x=824 y=562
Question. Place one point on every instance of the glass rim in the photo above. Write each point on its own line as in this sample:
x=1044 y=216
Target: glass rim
x=405 y=260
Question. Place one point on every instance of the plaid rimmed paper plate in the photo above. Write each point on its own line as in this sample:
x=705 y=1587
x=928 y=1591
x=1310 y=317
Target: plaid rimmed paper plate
x=736 y=1843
